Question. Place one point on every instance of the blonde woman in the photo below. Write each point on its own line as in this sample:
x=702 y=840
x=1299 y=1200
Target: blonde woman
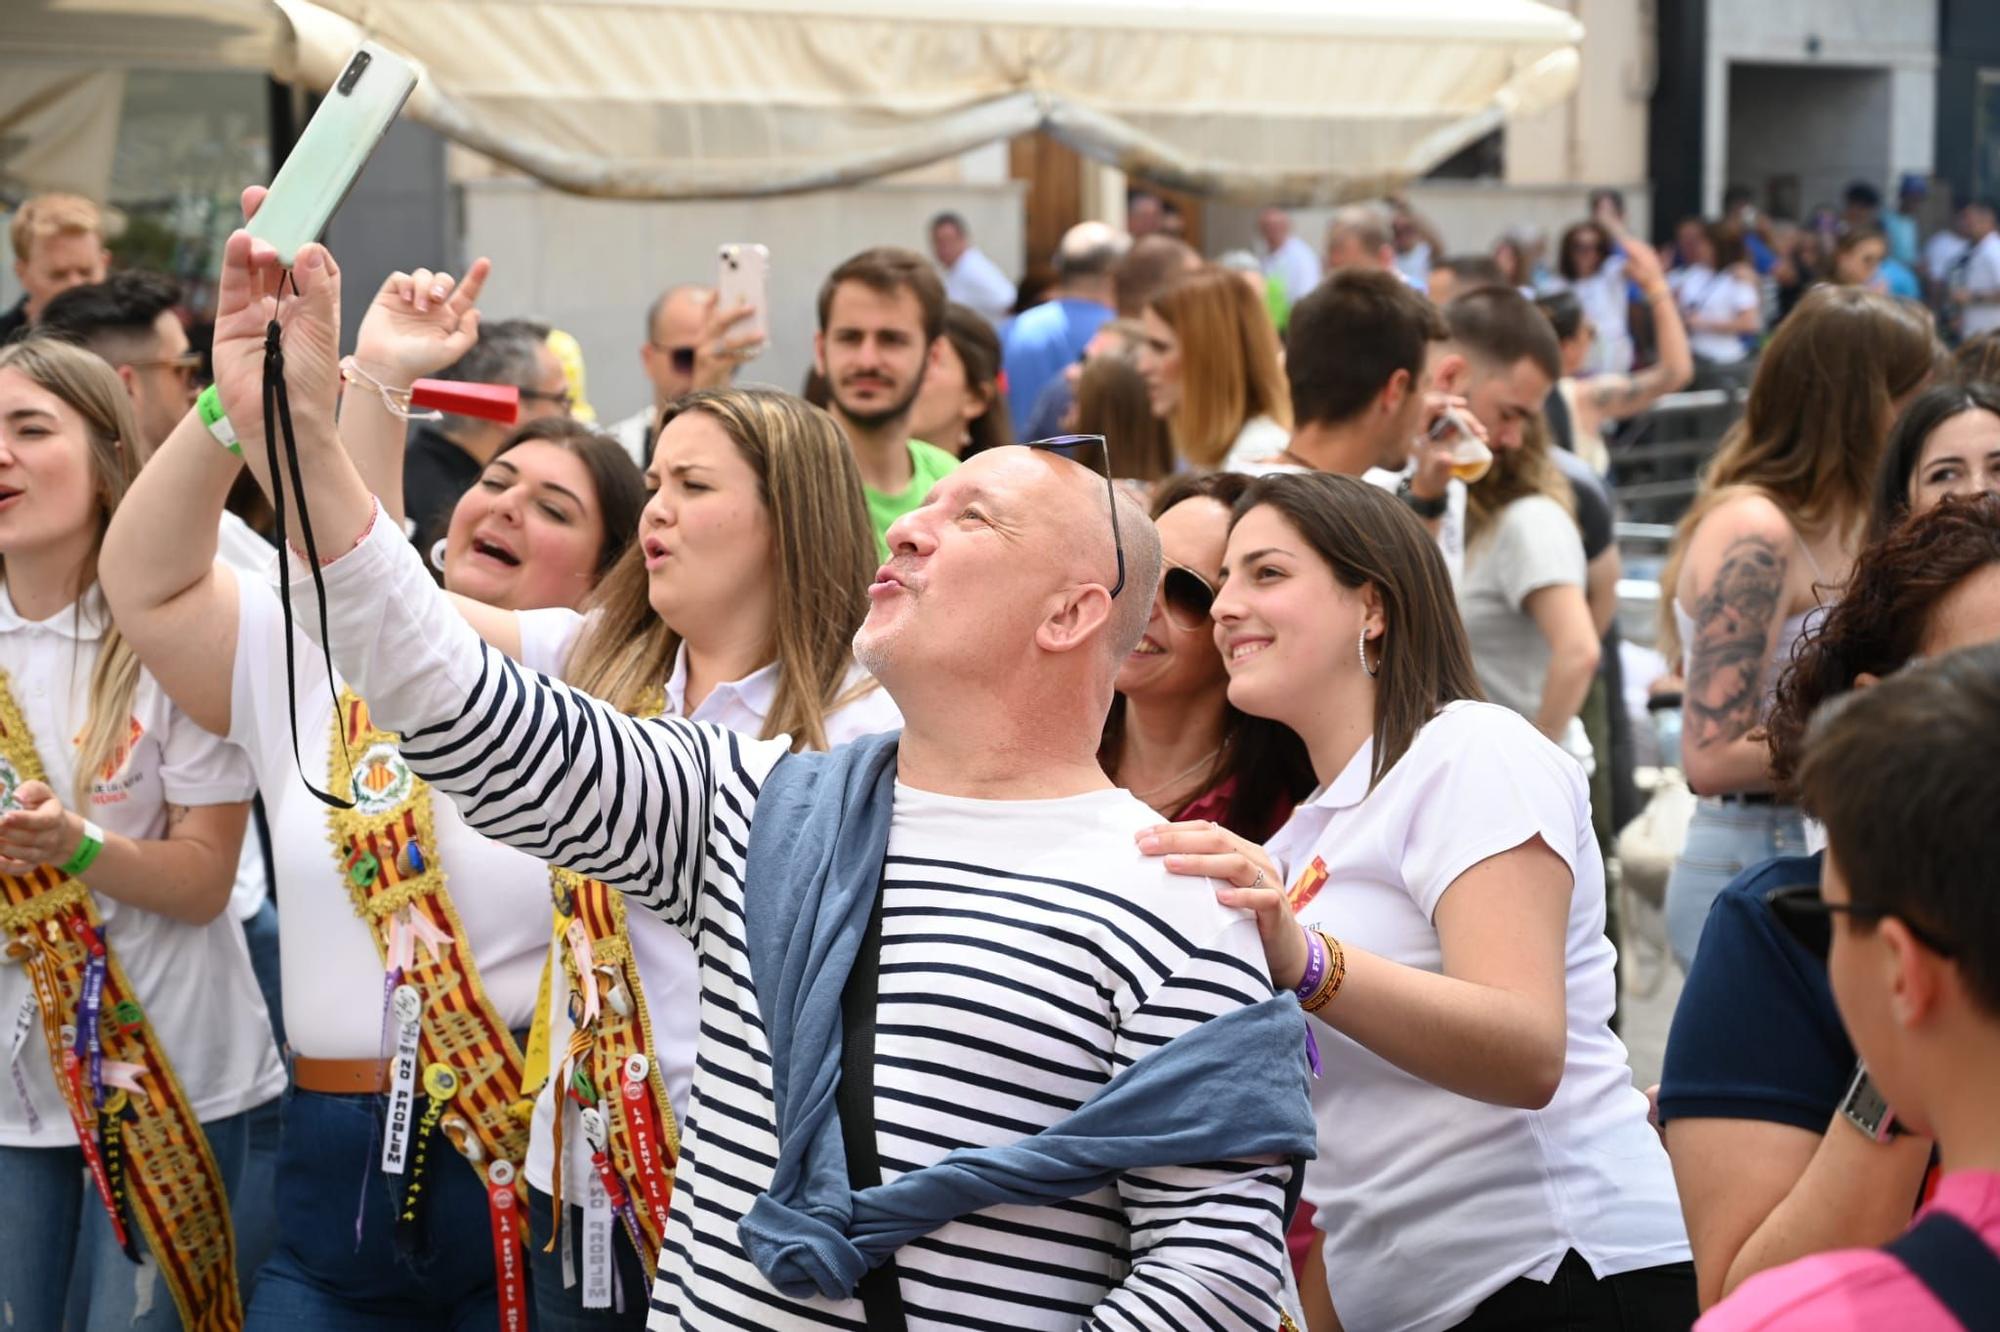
x=135 y=1127
x=1210 y=359
x=399 y=883
x=741 y=597
x=1767 y=543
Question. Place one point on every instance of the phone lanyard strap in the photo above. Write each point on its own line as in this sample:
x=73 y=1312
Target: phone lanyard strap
x=395 y=401
x=277 y=420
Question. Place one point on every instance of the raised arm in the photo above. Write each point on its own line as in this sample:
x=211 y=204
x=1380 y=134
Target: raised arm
x=532 y=763
x=1615 y=397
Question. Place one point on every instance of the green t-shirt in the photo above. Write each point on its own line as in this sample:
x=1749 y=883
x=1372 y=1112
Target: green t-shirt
x=928 y=465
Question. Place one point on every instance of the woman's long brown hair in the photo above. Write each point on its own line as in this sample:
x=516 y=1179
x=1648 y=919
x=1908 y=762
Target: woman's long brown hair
x=822 y=558
x=1369 y=538
x=1230 y=373
x=92 y=390
x=1820 y=407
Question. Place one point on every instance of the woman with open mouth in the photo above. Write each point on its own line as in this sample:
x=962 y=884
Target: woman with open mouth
x=140 y=1047
x=396 y=918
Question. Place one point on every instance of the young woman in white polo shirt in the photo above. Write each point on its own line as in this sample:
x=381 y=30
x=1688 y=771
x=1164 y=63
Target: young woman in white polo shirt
x=397 y=891
x=743 y=594
x=137 y=1039
x=1484 y=1160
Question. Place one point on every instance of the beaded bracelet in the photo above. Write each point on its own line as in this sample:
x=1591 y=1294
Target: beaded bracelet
x=1336 y=972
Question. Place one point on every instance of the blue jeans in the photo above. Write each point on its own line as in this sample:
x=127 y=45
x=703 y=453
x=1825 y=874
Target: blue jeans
x=323 y=1277
x=58 y=1257
x=559 y=1310
x=256 y=1205
x=1722 y=842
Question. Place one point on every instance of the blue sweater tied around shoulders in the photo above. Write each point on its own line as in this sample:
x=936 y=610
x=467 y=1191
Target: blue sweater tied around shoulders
x=1233 y=1087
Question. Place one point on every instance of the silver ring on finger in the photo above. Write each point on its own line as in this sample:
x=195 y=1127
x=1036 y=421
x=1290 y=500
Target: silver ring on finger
x=1257 y=882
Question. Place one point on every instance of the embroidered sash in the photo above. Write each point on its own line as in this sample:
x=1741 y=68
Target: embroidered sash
x=145 y=1149
x=611 y=1040
x=386 y=848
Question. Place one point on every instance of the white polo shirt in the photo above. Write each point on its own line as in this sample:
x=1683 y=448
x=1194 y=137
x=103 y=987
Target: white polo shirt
x=194 y=981
x=668 y=970
x=332 y=972
x=1430 y=1201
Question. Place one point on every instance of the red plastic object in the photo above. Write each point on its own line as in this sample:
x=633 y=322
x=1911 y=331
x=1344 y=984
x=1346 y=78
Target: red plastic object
x=488 y=402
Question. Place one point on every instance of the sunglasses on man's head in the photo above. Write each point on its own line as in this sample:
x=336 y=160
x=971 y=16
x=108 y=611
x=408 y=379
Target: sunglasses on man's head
x=1070 y=446
x=1187 y=597
x=1808 y=917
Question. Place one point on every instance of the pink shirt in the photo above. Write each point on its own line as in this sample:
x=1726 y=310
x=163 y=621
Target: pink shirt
x=1859 y=1288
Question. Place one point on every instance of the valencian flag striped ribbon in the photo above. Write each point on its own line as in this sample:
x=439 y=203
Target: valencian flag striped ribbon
x=386 y=850
x=146 y=1153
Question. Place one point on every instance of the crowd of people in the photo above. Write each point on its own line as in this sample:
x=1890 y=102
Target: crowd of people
x=811 y=861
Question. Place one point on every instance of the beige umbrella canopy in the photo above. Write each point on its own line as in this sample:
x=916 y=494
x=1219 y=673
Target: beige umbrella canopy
x=1303 y=100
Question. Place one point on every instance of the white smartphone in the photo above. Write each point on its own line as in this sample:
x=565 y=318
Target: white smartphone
x=740 y=275
x=323 y=165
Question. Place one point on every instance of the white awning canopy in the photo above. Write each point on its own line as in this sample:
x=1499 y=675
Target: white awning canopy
x=1308 y=101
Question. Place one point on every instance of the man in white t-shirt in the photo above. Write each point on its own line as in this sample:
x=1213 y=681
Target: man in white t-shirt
x=970 y=278
x=1287 y=257
x=1975 y=280
x=1357 y=356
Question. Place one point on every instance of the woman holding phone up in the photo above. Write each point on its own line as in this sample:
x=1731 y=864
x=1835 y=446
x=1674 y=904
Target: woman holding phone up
x=395 y=893
x=1444 y=926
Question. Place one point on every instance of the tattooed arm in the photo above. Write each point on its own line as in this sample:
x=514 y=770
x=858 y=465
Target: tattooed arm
x=1736 y=587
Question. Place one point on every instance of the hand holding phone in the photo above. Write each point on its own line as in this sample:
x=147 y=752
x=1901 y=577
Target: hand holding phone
x=327 y=159
x=741 y=272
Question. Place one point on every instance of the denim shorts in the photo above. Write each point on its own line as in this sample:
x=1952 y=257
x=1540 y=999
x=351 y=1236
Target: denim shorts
x=1723 y=840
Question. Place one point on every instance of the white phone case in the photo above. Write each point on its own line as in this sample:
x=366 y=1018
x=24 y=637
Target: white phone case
x=323 y=165
x=740 y=277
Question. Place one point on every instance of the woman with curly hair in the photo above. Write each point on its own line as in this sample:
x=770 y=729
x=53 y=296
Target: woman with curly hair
x=1758 y=1067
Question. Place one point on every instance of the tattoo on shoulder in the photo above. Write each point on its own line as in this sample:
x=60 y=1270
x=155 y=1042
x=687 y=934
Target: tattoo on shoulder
x=1732 y=627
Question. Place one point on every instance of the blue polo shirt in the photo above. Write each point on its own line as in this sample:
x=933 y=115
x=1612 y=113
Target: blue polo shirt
x=1041 y=343
x=1756 y=1034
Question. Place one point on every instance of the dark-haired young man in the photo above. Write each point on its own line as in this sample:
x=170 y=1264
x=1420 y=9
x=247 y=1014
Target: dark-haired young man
x=1903 y=778
x=1357 y=356
x=880 y=316
x=129 y=320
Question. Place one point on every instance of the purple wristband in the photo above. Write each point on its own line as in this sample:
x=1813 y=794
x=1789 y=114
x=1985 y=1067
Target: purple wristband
x=1315 y=965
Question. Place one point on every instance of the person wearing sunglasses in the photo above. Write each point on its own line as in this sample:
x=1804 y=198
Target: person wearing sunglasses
x=1759 y=1077
x=1017 y=956
x=446 y=458
x=691 y=344
x=1484 y=1161
x=1172 y=738
x=1904 y=778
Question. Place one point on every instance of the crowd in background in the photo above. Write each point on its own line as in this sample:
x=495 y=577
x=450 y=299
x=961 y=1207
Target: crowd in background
x=1361 y=665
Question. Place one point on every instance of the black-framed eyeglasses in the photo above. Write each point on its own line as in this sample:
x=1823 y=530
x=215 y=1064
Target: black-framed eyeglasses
x=1186 y=596
x=681 y=357
x=564 y=398
x=1808 y=917
x=1069 y=446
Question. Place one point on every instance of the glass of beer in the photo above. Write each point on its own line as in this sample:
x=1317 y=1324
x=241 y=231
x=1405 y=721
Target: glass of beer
x=1470 y=459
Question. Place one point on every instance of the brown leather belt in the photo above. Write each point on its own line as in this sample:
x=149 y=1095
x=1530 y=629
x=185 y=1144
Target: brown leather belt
x=340 y=1077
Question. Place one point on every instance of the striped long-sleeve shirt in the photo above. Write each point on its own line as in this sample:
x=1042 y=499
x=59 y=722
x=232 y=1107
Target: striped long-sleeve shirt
x=1028 y=954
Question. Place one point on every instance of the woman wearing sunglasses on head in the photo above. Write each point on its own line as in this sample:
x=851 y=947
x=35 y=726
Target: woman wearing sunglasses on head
x=1483 y=1161
x=1172 y=738
x=1774 y=1145
x=396 y=892
x=741 y=598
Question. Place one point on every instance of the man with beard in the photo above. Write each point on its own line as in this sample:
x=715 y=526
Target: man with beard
x=881 y=320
